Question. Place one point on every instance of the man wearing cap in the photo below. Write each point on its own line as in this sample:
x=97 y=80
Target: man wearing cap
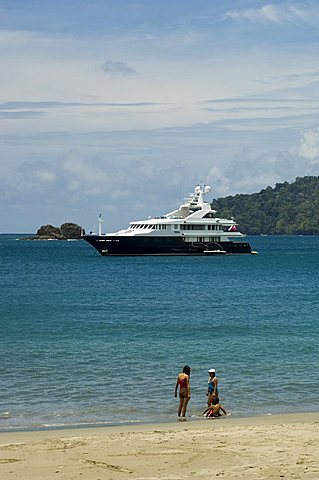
x=212 y=390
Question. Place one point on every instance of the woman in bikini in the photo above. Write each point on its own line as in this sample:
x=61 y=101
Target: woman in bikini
x=184 y=391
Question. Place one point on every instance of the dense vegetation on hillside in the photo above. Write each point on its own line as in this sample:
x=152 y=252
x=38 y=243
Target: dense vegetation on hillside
x=286 y=209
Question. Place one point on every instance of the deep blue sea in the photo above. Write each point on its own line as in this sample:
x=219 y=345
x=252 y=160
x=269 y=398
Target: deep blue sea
x=92 y=340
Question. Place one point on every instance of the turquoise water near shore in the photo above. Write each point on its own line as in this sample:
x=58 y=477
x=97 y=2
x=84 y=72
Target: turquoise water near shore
x=98 y=340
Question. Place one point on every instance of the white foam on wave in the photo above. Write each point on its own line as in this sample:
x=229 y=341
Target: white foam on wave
x=5 y=415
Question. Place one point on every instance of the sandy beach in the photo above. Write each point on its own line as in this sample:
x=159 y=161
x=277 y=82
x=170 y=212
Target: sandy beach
x=279 y=446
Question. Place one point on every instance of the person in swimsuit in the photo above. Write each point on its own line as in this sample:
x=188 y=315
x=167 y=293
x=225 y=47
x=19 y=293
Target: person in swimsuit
x=212 y=390
x=215 y=409
x=182 y=383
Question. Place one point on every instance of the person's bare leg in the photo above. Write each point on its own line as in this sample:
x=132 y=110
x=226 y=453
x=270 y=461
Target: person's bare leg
x=184 y=407
x=180 y=406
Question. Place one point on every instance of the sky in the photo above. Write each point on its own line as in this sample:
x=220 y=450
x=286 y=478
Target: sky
x=123 y=107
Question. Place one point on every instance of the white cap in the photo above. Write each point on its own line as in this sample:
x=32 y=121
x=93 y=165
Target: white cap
x=212 y=370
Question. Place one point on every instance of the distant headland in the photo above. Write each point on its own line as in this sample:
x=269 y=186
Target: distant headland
x=67 y=231
x=286 y=209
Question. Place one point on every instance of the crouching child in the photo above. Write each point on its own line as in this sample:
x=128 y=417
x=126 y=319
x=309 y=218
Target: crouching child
x=215 y=409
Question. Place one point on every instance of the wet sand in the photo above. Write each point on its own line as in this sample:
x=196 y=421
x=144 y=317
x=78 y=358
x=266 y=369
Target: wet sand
x=271 y=447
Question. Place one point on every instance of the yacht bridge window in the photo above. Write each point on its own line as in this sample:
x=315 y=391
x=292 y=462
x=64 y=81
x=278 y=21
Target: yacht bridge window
x=187 y=226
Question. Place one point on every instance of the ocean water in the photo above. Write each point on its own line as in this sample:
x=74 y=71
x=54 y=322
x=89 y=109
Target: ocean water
x=91 y=340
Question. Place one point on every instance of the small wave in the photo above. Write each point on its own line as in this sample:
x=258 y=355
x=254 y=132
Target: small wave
x=5 y=415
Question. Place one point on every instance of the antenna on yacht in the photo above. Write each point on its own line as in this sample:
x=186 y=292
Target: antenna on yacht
x=100 y=221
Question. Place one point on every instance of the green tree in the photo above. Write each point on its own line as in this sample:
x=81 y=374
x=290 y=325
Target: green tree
x=286 y=209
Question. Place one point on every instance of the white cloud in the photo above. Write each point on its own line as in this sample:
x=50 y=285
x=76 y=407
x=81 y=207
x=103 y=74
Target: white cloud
x=309 y=147
x=37 y=174
x=279 y=14
x=218 y=180
x=11 y=39
x=84 y=176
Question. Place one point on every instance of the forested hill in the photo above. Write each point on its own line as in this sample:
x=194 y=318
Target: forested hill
x=286 y=209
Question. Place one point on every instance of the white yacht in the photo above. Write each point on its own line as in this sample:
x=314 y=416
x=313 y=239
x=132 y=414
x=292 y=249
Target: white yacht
x=192 y=229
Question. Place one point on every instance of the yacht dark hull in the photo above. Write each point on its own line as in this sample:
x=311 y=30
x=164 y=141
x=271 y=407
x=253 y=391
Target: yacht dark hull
x=143 y=245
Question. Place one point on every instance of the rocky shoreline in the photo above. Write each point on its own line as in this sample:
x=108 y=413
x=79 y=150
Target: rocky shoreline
x=67 y=231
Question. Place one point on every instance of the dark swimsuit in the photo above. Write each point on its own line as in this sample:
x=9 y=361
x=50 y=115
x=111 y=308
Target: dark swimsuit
x=211 y=386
